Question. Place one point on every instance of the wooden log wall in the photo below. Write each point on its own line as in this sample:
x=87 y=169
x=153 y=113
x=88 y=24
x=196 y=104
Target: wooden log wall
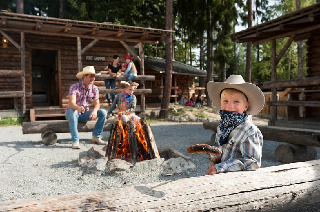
x=313 y=70
x=10 y=59
x=182 y=84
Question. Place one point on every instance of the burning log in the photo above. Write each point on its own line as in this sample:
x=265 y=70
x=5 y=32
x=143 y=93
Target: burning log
x=132 y=141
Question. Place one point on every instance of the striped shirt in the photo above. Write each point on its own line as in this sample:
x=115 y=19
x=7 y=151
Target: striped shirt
x=243 y=150
x=83 y=95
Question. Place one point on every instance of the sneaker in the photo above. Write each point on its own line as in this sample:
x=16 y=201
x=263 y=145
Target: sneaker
x=75 y=145
x=97 y=140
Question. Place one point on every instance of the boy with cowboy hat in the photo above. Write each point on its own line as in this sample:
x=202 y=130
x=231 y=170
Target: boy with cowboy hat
x=238 y=138
x=81 y=94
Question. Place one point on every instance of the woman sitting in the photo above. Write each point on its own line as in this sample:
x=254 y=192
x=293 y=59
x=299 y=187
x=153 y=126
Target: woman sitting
x=188 y=103
x=131 y=70
x=126 y=102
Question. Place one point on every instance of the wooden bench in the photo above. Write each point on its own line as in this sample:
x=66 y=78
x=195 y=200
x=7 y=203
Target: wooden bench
x=275 y=188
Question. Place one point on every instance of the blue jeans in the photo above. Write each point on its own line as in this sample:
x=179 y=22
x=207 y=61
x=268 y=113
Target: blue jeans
x=131 y=76
x=73 y=117
x=110 y=83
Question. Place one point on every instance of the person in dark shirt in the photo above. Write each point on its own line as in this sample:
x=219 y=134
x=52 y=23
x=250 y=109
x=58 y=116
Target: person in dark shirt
x=114 y=69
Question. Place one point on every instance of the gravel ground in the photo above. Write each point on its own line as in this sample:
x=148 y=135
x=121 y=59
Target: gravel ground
x=30 y=169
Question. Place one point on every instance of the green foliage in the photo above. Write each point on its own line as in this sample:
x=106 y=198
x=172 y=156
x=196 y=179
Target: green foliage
x=11 y=121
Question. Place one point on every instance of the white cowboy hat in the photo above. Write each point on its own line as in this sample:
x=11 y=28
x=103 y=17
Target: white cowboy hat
x=253 y=93
x=87 y=70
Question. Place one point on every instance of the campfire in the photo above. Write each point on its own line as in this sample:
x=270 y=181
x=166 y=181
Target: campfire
x=132 y=141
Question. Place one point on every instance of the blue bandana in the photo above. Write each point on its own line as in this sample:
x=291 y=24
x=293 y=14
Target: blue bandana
x=228 y=122
x=126 y=97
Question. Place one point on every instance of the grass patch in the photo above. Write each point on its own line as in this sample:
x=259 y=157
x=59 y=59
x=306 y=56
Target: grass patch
x=201 y=114
x=179 y=112
x=12 y=121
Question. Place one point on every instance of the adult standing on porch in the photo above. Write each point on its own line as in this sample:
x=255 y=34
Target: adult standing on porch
x=114 y=69
x=81 y=94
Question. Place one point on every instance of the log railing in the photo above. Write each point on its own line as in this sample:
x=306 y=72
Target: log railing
x=293 y=83
x=15 y=94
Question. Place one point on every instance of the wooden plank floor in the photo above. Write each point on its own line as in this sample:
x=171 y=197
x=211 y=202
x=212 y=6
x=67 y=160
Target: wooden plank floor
x=274 y=188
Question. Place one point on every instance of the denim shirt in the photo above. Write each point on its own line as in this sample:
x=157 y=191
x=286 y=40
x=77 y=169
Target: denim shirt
x=243 y=150
x=129 y=70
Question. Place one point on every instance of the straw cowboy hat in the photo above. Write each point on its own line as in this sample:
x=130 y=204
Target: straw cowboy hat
x=253 y=93
x=128 y=57
x=125 y=84
x=87 y=70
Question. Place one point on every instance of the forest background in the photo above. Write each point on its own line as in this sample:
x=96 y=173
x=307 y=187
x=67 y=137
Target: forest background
x=199 y=25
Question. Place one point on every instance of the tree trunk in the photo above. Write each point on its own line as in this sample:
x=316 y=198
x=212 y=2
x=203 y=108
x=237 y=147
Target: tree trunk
x=249 y=44
x=167 y=85
x=185 y=47
x=201 y=52
x=210 y=53
x=61 y=9
x=20 y=6
x=190 y=50
x=235 y=52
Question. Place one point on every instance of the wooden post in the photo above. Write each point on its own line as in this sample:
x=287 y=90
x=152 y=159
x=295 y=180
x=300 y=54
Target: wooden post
x=188 y=87
x=273 y=79
x=161 y=84
x=23 y=79
x=175 y=90
x=79 y=54
x=59 y=78
x=141 y=53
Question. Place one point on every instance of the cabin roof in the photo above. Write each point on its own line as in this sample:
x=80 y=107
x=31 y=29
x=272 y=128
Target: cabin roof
x=299 y=24
x=72 y=28
x=159 y=65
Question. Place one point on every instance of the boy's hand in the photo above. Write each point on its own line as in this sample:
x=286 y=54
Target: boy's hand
x=212 y=169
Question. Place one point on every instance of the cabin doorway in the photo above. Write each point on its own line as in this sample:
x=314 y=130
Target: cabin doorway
x=44 y=78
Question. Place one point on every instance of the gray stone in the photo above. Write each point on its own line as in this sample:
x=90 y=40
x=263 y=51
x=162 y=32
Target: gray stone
x=117 y=165
x=167 y=153
x=97 y=165
x=176 y=166
x=147 y=165
x=183 y=119
x=96 y=152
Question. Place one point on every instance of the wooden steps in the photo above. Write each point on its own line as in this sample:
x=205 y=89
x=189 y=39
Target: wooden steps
x=46 y=112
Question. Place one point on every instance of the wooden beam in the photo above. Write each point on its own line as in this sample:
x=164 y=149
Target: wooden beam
x=95 y=31
x=275 y=188
x=79 y=54
x=67 y=28
x=38 y=25
x=11 y=73
x=267 y=34
x=23 y=67
x=131 y=51
x=293 y=32
x=11 y=94
x=81 y=36
x=295 y=103
x=60 y=126
x=11 y=40
x=283 y=50
x=123 y=78
x=303 y=82
x=89 y=46
x=303 y=36
x=273 y=79
x=297 y=136
x=141 y=54
x=4 y=21
x=120 y=33
x=116 y=91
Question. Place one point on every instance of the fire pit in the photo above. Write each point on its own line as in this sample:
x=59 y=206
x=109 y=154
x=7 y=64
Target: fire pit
x=132 y=141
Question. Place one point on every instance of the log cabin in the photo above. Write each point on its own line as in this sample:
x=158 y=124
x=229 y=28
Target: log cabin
x=40 y=57
x=303 y=103
x=183 y=79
